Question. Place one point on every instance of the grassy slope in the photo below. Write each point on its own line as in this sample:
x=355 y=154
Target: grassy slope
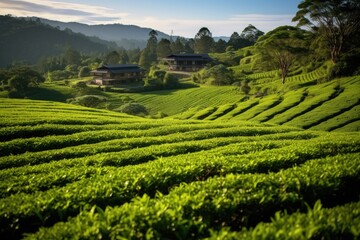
x=175 y=101
x=328 y=106
x=58 y=160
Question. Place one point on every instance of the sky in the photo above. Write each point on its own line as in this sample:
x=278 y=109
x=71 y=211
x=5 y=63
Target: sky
x=177 y=17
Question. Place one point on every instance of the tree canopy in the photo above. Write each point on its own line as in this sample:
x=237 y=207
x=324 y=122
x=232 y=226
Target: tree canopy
x=19 y=79
x=251 y=33
x=336 y=21
x=203 y=41
x=283 y=46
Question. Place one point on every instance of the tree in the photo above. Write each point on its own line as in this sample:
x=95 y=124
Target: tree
x=245 y=88
x=134 y=55
x=203 y=41
x=178 y=46
x=336 y=21
x=220 y=46
x=152 y=45
x=148 y=55
x=133 y=108
x=234 y=40
x=145 y=58
x=220 y=75
x=123 y=56
x=112 y=57
x=72 y=56
x=170 y=80
x=163 y=48
x=84 y=72
x=92 y=101
x=19 y=79
x=251 y=33
x=283 y=46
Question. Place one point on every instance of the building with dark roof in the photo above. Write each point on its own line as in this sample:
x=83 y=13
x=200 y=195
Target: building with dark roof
x=116 y=74
x=187 y=62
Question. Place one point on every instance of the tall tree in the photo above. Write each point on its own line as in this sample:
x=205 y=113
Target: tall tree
x=152 y=45
x=71 y=56
x=163 y=48
x=234 y=40
x=134 y=55
x=336 y=21
x=177 y=46
x=203 y=41
x=123 y=56
x=149 y=55
x=112 y=58
x=251 y=33
x=220 y=46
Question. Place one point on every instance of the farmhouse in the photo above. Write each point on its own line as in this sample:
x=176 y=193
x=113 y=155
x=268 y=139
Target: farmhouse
x=117 y=74
x=187 y=62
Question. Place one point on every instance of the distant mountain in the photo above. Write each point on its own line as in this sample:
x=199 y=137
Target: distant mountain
x=25 y=40
x=127 y=36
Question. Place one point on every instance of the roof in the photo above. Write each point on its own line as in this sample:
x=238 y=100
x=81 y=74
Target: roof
x=204 y=57
x=118 y=68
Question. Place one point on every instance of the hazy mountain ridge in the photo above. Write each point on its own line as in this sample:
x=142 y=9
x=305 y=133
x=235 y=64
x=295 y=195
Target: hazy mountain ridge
x=127 y=36
x=28 y=41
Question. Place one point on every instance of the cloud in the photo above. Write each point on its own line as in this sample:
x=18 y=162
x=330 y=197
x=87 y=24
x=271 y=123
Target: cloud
x=220 y=27
x=187 y=27
x=61 y=11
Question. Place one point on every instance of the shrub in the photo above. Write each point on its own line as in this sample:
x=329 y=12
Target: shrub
x=348 y=65
x=84 y=72
x=58 y=75
x=14 y=93
x=245 y=88
x=88 y=100
x=220 y=75
x=133 y=108
x=170 y=80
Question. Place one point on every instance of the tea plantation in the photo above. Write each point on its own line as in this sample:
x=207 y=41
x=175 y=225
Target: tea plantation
x=70 y=172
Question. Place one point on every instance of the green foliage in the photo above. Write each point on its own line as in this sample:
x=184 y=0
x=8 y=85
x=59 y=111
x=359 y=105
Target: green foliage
x=133 y=108
x=163 y=48
x=88 y=100
x=149 y=55
x=245 y=88
x=203 y=41
x=328 y=223
x=251 y=33
x=18 y=80
x=337 y=22
x=123 y=176
x=284 y=47
x=170 y=80
x=112 y=58
x=84 y=72
x=72 y=57
x=58 y=75
x=30 y=40
x=218 y=75
x=347 y=65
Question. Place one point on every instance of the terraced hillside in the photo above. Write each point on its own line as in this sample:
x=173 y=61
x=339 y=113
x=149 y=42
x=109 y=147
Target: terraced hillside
x=331 y=106
x=69 y=172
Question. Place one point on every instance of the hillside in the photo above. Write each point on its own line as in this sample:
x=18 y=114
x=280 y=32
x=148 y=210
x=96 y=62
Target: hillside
x=302 y=102
x=127 y=36
x=27 y=41
x=124 y=176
